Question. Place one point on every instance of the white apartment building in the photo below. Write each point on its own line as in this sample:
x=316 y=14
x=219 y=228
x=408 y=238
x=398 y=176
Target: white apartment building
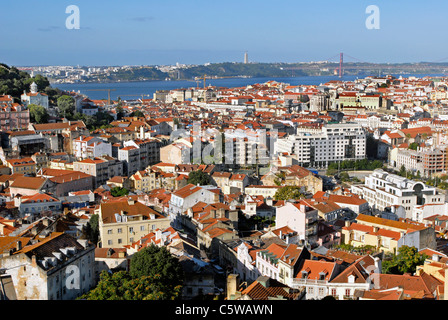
x=185 y=198
x=148 y=153
x=382 y=189
x=245 y=147
x=335 y=142
x=89 y=147
x=299 y=217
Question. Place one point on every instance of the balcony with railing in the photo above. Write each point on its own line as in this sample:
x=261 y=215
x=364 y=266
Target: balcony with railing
x=301 y=282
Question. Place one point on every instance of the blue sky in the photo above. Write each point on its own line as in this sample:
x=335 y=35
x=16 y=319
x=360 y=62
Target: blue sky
x=147 y=32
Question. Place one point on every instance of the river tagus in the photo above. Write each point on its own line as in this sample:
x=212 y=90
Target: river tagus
x=146 y=89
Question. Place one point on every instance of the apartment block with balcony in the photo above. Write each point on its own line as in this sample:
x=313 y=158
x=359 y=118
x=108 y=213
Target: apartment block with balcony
x=13 y=116
x=335 y=142
x=148 y=152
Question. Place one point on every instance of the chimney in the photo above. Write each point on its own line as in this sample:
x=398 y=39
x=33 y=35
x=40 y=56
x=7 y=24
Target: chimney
x=378 y=266
x=347 y=223
x=264 y=281
x=435 y=257
x=33 y=260
x=158 y=234
x=19 y=245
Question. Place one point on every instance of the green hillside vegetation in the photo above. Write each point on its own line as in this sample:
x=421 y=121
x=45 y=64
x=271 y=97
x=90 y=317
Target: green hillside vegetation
x=141 y=74
x=229 y=69
x=14 y=82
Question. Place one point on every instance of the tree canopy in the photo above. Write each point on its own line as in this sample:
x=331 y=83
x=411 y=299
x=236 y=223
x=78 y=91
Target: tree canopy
x=38 y=114
x=406 y=261
x=92 y=230
x=138 y=114
x=152 y=261
x=14 y=82
x=154 y=275
x=119 y=192
x=289 y=193
x=66 y=106
x=199 y=177
x=122 y=286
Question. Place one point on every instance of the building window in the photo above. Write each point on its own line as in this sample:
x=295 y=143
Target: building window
x=333 y=292
x=347 y=292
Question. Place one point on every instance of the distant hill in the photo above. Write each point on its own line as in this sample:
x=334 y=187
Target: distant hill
x=134 y=74
x=229 y=69
x=273 y=70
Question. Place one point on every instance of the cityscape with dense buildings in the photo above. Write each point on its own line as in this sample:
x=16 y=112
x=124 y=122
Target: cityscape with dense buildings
x=153 y=151
x=268 y=191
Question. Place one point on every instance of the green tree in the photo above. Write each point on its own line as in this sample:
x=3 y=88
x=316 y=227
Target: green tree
x=92 y=229
x=53 y=95
x=152 y=261
x=103 y=118
x=199 y=177
x=138 y=114
x=406 y=261
x=66 y=106
x=413 y=146
x=418 y=175
x=344 y=176
x=41 y=81
x=120 y=111
x=289 y=193
x=38 y=114
x=119 y=192
x=402 y=171
x=122 y=286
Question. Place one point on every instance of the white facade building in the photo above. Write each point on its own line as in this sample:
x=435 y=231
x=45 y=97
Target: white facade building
x=34 y=97
x=382 y=190
x=90 y=147
x=335 y=142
